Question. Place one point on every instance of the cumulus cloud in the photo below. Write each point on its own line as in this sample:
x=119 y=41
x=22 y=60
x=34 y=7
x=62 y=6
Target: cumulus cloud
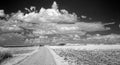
x=82 y=26
x=2 y=13
x=82 y=16
x=47 y=15
x=55 y=15
x=92 y=26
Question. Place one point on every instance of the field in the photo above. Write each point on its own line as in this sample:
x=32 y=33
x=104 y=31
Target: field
x=15 y=52
x=72 y=55
x=89 y=55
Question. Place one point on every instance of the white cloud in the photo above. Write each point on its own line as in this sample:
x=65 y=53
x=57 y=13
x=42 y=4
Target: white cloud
x=82 y=16
x=48 y=15
x=54 y=15
x=82 y=26
x=2 y=13
x=92 y=26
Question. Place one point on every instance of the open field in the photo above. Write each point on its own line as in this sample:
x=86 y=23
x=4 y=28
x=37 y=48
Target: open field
x=71 y=55
x=89 y=55
x=87 y=47
x=15 y=52
x=18 y=50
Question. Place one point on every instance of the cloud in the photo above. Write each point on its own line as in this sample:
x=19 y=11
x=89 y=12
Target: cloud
x=82 y=26
x=92 y=26
x=47 y=15
x=109 y=23
x=2 y=13
x=54 y=15
x=82 y=16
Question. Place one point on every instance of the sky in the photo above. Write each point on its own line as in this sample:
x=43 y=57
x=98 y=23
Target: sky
x=96 y=9
x=105 y=11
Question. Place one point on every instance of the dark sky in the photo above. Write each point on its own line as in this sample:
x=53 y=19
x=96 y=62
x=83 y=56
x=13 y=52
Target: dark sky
x=99 y=10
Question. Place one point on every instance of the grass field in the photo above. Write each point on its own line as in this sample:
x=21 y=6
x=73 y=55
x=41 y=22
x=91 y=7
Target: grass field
x=89 y=55
x=13 y=52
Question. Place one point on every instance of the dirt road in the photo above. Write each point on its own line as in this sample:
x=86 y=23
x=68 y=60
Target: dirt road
x=42 y=57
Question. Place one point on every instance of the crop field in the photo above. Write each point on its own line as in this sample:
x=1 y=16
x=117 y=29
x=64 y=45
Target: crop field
x=76 y=55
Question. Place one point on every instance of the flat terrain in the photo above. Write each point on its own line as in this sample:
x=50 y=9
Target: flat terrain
x=44 y=56
x=89 y=54
x=89 y=47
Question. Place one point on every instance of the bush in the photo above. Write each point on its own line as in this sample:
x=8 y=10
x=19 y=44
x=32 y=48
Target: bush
x=4 y=56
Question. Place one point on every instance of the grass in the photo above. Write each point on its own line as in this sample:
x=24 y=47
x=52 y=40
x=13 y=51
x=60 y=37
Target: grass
x=11 y=52
x=4 y=56
x=89 y=57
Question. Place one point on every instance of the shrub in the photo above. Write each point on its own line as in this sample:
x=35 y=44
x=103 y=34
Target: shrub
x=4 y=56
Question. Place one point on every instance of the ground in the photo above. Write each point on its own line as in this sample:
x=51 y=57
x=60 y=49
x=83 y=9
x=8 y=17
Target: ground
x=41 y=57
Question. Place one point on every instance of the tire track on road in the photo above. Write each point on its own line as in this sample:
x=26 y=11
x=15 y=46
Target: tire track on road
x=41 y=57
